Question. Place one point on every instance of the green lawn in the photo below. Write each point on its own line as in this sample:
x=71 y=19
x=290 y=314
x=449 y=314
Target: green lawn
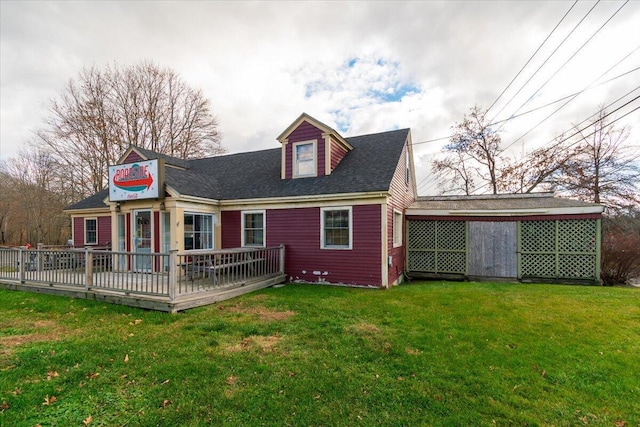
x=421 y=354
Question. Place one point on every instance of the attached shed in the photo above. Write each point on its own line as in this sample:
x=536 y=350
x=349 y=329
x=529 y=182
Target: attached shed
x=525 y=237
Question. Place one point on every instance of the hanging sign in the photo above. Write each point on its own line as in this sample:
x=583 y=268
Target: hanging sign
x=134 y=181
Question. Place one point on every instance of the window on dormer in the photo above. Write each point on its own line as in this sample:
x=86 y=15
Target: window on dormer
x=304 y=159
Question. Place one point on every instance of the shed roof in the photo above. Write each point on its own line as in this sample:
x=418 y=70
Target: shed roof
x=501 y=205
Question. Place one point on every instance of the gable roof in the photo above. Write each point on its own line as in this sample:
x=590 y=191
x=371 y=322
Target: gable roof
x=304 y=117
x=369 y=167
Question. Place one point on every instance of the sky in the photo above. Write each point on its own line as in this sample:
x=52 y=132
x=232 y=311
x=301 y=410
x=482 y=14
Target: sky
x=359 y=67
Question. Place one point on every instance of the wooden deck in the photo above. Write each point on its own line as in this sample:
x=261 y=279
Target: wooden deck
x=170 y=282
x=196 y=298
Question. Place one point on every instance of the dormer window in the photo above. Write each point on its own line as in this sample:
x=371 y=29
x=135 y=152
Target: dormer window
x=304 y=159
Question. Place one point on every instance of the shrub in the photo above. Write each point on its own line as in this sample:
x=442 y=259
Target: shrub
x=620 y=257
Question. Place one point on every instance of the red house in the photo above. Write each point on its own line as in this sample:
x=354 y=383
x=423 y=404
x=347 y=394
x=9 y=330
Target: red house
x=337 y=204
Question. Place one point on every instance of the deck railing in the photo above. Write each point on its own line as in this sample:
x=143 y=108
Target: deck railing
x=153 y=274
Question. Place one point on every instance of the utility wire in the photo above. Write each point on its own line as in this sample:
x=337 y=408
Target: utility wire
x=571 y=57
x=542 y=106
x=545 y=61
x=574 y=96
x=532 y=56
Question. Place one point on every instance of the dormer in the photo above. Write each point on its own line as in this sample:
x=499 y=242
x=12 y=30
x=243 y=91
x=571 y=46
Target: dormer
x=310 y=148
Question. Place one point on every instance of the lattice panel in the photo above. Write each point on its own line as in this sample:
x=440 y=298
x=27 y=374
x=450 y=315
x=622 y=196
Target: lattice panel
x=574 y=266
x=452 y=262
x=422 y=261
x=538 y=236
x=421 y=234
x=451 y=235
x=577 y=235
x=538 y=265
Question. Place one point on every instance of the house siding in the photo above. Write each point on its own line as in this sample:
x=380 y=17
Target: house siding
x=299 y=230
x=337 y=153
x=305 y=132
x=132 y=157
x=104 y=230
x=402 y=195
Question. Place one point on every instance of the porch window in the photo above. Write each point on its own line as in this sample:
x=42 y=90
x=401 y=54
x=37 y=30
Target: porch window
x=198 y=231
x=90 y=231
x=336 y=227
x=253 y=228
x=304 y=159
x=397 y=229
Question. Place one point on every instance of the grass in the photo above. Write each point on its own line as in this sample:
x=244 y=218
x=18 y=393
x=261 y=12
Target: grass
x=420 y=354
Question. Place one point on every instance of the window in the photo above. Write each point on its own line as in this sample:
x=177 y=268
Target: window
x=253 y=228
x=198 y=231
x=397 y=228
x=91 y=231
x=304 y=159
x=336 y=228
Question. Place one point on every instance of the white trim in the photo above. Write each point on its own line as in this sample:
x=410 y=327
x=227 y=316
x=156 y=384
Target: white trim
x=85 y=231
x=194 y=214
x=322 y=236
x=397 y=233
x=384 y=245
x=372 y=198
x=264 y=228
x=294 y=158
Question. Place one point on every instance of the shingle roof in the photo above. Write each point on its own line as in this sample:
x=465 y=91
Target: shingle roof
x=150 y=155
x=91 y=202
x=369 y=167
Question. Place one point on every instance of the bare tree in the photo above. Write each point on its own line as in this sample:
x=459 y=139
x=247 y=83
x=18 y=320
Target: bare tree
x=100 y=113
x=472 y=151
x=605 y=168
x=35 y=200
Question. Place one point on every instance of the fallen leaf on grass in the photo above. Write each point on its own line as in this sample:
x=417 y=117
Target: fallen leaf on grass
x=16 y=391
x=621 y=423
x=52 y=374
x=232 y=380
x=126 y=358
x=49 y=400
x=94 y=375
x=165 y=403
x=87 y=420
x=412 y=351
x=4 y=406
x=164 y=382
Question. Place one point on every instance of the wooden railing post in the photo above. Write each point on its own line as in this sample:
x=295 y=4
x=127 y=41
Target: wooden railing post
x=173 y=273
x=21 y=256
x=39 y=263
x=281 y=259
x=88 y=268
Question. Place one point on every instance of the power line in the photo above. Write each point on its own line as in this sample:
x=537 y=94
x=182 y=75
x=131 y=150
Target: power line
x=545 y=105
x=574 y=96
x=532 y=56
x=545 y=61
x=571 y=57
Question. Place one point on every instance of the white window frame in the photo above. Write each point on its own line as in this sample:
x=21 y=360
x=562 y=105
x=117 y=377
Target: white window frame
x=193 y=232
x=264 y=228
x=294 y=162
x=323 y=244
x=397 y=228
x=86 y=242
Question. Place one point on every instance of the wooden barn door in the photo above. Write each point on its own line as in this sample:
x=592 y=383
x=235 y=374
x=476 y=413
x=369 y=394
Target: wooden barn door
x=493 y=249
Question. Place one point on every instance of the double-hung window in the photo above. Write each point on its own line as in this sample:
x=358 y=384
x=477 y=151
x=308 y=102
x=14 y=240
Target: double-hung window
x=336 y=228
x=198 y=231
x=304 y=159
x=91 y=231
x=253 y=226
